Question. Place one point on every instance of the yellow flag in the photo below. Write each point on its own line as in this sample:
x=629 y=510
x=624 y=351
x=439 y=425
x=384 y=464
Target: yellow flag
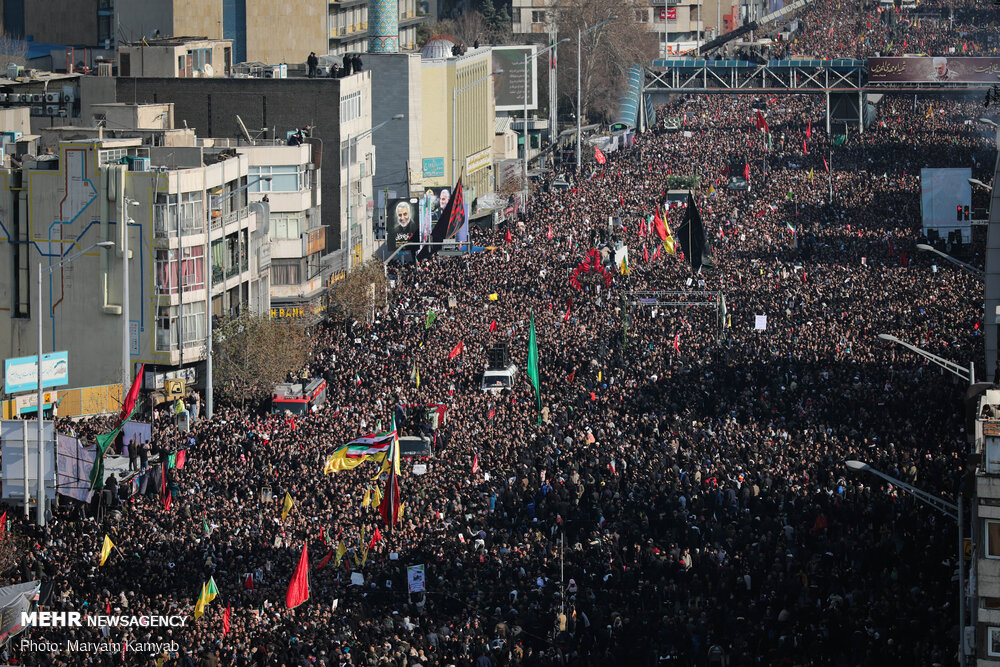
x=341 y=550
x=494 y=296
x=362 y=542
x=287 y=507
x=367 y=499
x=106 y=549
x=599 y=375
x=418 y=378
x=930 y=111
x=402 y=509
x=364 y=557
x=810 y=173
x=395 y=453
x=624 y=269
x=211 y=590
x=668 y=243
x=376 y=497
x=329 y=467
x=199 y=607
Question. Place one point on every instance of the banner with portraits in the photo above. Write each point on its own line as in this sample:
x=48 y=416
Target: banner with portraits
x=403 y=222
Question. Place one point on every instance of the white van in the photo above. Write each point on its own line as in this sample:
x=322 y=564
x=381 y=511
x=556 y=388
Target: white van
x=497 y=379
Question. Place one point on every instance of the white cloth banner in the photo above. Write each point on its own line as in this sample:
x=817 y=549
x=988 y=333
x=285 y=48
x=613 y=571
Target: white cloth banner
x=73 y=465
x=415 y=578
x=760 y=322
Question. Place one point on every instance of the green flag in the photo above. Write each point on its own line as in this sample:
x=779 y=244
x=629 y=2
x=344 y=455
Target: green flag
x=839 y=139
x=172 y=461
x=431 y=316
x=103 y=443
x=533 y=367
x=205 y=527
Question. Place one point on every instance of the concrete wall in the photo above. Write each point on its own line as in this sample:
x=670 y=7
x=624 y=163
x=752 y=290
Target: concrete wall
x=61 y=21
x=211 y=105
x=285 y=32
x=135 y=19
x=198 y=18
x=15 y=119
x=396 y=90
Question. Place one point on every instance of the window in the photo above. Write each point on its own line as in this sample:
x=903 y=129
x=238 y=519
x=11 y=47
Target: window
x=350 y=106
x=286 y=226
x=286 y=271
x=286 y=178
x=187 y=208
x=538 y=17
x=989 y=603
x=993 y=642
x=992 y=539
x=200 y=58
x=192 y=269
x=515 y=15
x=194 y=323
x=641 y=16
x=168 y=329
x=343 y=153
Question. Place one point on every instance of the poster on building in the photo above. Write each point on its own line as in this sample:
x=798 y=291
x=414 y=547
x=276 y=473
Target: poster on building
x=415 y=578
x=20 y=374
x=933 y=69
x=433 y=167
x=509 y=82
x=403 y=223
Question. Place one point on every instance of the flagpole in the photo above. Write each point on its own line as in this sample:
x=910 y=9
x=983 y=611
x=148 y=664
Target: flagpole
x=829 y=175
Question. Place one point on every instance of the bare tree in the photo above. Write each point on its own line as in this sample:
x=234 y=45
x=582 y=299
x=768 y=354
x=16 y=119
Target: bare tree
x=12 y=50
x=253 y=353
x=361 y=292
x=607 y=53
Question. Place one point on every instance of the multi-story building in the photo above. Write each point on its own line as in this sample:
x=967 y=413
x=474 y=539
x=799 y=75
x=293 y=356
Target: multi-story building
x=677 y=22
x=271 y=108
x=192 y=238
x=81 y=22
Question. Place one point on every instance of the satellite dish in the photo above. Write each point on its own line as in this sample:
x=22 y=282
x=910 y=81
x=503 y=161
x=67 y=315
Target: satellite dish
x=243 y=128
x=208 y=70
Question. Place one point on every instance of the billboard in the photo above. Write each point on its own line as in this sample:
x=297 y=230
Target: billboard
x=21 y=374
x=942 y=191
x=402 y=222
x=13 y=434
x=939 y=69
x=509 y=82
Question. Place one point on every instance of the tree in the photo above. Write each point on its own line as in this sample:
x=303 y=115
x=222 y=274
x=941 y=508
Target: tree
x=361 y=292
x=607 y=53
x=252 y=353
x=13 y=50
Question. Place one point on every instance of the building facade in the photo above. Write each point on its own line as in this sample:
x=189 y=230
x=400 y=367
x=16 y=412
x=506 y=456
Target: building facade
x=190 y=236
x=176 y=57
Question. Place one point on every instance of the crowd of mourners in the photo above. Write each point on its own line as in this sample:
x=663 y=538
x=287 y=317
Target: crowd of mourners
x=681 y=497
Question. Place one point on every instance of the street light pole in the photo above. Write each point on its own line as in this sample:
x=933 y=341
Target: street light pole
x=524 y=130
x=979 y=273
x=949 y=509
x=579 y=48
x=40 y=516
x=967 y=374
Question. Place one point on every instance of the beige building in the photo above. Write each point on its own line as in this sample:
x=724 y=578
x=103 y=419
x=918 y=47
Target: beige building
x=181 y=57
x=678 y=23
x=262 y=30
x=457 y=92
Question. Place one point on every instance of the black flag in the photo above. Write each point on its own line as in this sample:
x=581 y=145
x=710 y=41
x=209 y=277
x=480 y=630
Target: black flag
x=691 y=235
x=452 y=217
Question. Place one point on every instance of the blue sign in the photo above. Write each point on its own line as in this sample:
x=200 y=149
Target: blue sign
x=433 y=167
x=21 y=374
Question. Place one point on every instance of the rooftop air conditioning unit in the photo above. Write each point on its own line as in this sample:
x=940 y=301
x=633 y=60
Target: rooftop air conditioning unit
x=53 y=98
x=37 y=111
x=3 y=97
x=51 y=110
x=26 y=98
x=37 y=98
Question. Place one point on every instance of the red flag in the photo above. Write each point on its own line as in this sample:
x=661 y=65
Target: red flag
x=389 y=507
x=571 y=377
x=298 y=587
x=457 y=350
x=475 y=463
x=168 y=501
x=621 y=200
x=569 y=307
x=746 y=171
x=809 y=130
x=507 y=237
x=248 y=582
x=181 y=458
x=133 y=393
x=661 y=229
x=804 y=148
x=3 y=525
x=107 y=605
x=225 y=621
x=376 y=538
x=548 y=234
x=491 y=413
x=493 y=326
x=826 y=167
x=645 y=254
x=599 y=156
x=760 y=122
x=656 y=253
x=677 y=343
x=903 y=261
x=326 y=559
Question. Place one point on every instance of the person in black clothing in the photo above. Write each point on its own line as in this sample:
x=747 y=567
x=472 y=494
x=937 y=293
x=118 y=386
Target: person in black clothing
x=312 y=62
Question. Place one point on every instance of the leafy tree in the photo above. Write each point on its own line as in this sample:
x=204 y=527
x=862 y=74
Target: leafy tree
x=252 y=353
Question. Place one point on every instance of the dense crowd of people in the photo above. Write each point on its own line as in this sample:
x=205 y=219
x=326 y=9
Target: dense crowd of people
x=681 y=497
